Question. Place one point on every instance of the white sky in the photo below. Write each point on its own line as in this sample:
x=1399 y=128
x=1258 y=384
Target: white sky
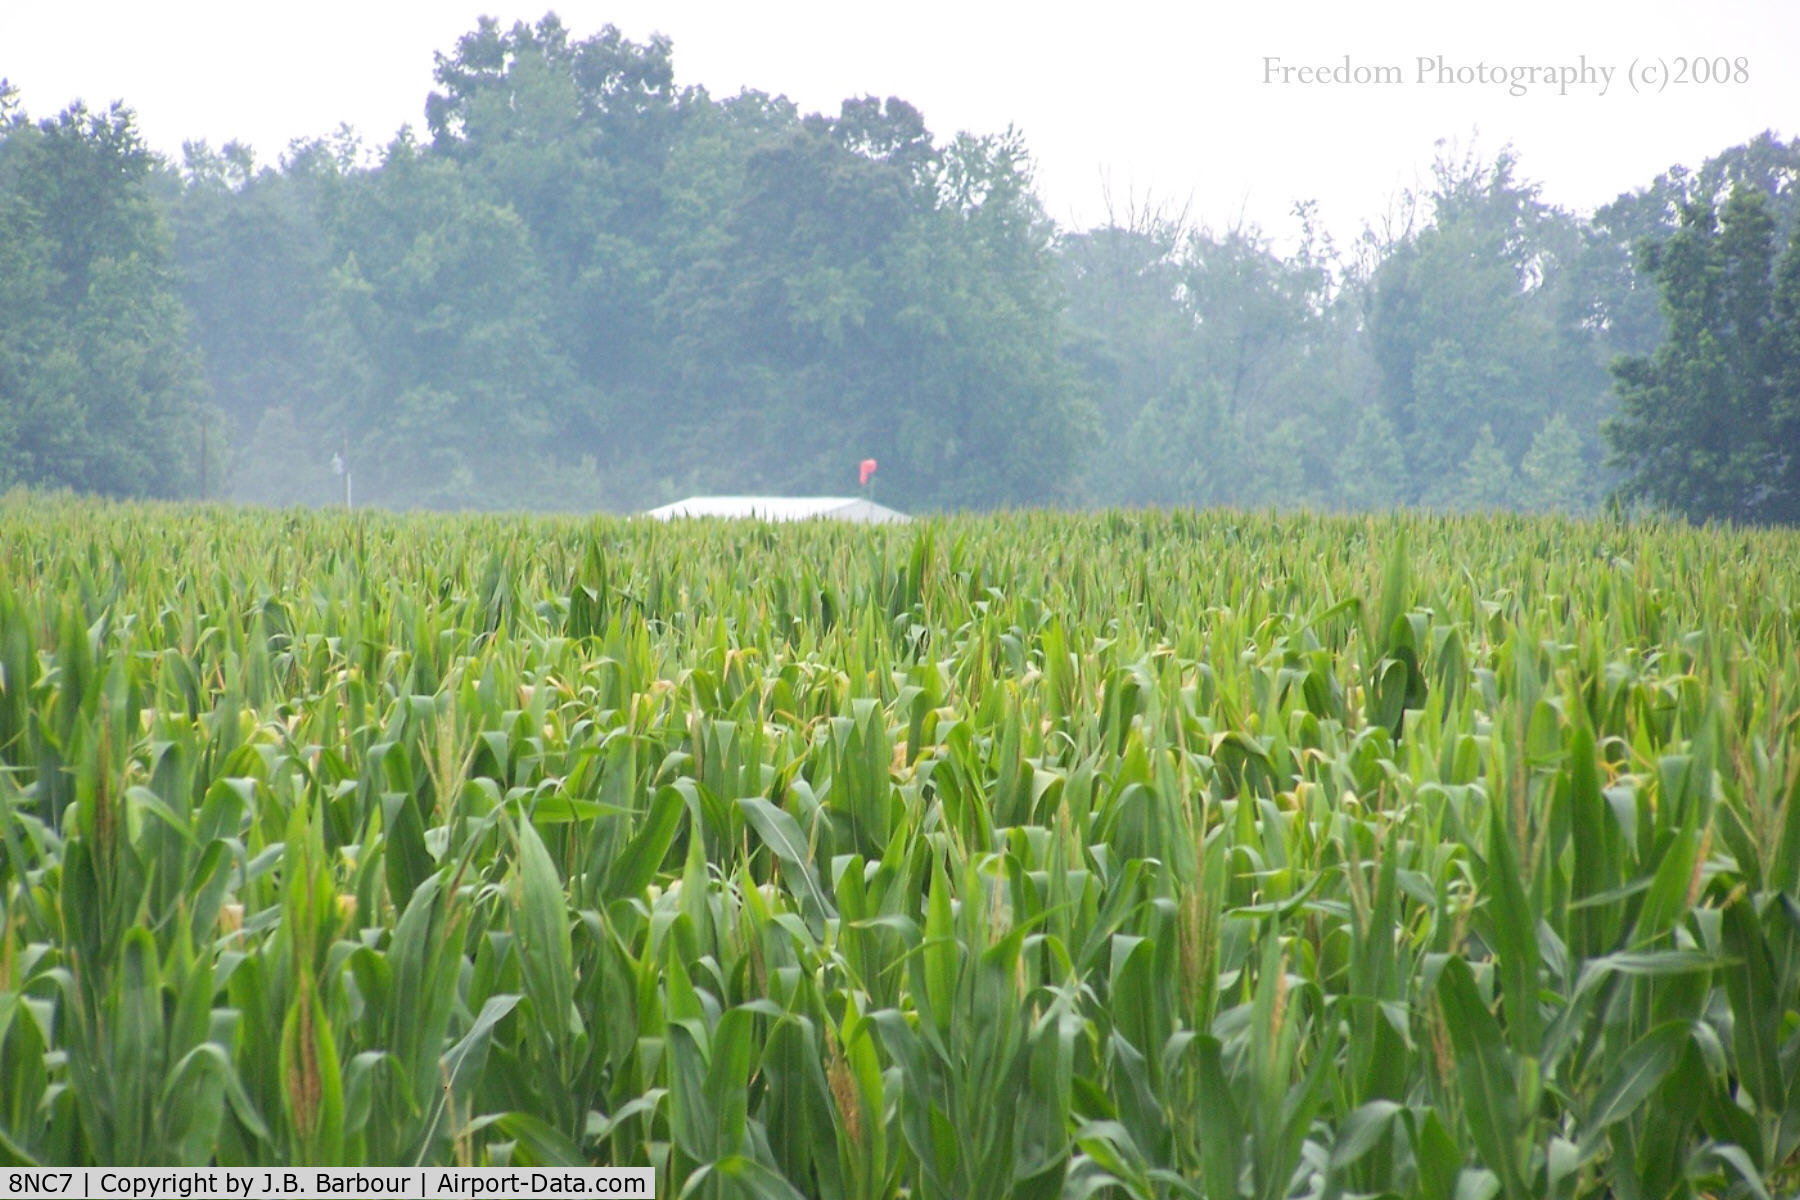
x=1165 y=101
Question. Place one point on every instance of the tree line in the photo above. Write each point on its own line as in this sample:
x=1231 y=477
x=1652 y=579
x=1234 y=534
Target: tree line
x=583 y=286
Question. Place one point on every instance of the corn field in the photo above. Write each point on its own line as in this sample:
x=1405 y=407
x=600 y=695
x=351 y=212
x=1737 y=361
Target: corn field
x=1119 y=855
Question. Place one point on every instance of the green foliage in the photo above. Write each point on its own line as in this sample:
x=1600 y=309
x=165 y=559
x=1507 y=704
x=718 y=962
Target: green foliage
x=1157 y=854
x=593 y=288
x=1219 y=368
x=1708 y=424
x=1552 y=476
x=1470 y=328
x=586 y=286
x=98 y=388
x=1372 y=470
x=1485 y=482
x=1617 y=294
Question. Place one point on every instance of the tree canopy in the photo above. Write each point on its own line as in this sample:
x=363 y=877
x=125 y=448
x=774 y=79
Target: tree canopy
x=99 y=387
x=584 y=285
x=1709 y=423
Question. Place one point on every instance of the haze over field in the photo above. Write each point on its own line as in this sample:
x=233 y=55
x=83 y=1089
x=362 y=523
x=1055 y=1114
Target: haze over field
x=1274 y=260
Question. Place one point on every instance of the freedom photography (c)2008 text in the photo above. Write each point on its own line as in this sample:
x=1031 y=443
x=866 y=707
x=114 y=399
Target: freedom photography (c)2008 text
x=1581 y=75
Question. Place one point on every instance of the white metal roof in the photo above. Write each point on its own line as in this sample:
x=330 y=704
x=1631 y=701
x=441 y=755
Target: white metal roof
x=781 y=508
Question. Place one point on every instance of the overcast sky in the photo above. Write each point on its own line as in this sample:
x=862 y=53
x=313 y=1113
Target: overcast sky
x=1179 y=104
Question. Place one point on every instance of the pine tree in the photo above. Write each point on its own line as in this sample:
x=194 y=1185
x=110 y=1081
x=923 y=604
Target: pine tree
x=1487 y=480
x=1552 y=476
x=1372 y=468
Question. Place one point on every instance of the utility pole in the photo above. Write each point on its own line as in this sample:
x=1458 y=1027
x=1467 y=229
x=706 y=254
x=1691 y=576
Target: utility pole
x=340 y=462
x=203 y=456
